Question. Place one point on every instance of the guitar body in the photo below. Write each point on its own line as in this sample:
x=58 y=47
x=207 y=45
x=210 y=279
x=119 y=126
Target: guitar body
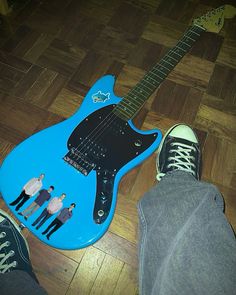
x=84 y=157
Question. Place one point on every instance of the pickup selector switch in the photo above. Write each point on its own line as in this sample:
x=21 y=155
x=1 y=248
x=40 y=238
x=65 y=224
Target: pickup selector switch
x=138 y=143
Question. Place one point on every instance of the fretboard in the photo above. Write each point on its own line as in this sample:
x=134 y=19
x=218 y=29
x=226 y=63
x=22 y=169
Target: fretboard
x=128 y=107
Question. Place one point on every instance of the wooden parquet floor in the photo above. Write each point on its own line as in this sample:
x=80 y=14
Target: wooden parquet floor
x=51 y=53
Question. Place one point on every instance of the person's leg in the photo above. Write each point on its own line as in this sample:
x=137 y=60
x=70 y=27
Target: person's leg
x=18 y=199
x=22 y=202
x=28 y=209
x=57 y=224
x=53 y=223
x=16 y=273
x=33 y=209
x=186 y=244
x=45 y=218
x=42 y=215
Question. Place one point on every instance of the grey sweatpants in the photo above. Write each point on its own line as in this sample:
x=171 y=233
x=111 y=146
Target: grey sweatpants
x=186 y=244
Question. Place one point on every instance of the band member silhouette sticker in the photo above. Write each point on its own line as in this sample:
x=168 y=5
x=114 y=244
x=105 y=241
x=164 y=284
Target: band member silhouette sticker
x=43 y=196
x=53 y=207
x=29 y=189
x=60 y=220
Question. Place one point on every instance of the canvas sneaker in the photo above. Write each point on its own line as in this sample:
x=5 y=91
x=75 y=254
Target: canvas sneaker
x=14 y=249
x=179 y=150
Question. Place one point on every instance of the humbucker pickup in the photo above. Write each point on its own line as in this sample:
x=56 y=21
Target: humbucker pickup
x=79 y=161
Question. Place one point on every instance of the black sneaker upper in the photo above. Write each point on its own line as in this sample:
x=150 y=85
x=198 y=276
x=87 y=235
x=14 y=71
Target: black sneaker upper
x=179 y=154
x=14 y=253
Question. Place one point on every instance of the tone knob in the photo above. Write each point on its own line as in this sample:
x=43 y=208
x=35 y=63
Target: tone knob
x=100 y=213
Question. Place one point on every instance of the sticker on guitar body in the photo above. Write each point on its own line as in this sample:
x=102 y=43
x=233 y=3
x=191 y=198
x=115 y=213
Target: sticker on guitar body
x=100 y=97
x=54 y=207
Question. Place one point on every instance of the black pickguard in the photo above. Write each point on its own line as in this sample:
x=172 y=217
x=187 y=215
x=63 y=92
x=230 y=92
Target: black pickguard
x=105 y=143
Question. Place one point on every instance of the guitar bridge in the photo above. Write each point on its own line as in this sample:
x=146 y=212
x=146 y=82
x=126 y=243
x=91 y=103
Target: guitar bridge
x=79 y=161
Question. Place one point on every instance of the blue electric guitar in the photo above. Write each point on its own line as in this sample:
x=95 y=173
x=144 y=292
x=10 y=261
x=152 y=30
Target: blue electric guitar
x=85 y=156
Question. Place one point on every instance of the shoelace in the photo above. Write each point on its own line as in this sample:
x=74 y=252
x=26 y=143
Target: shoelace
x=182 y=160
x=4 y=266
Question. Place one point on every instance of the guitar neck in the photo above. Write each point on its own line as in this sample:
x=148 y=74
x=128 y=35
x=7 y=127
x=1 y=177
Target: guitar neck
x=135 y=99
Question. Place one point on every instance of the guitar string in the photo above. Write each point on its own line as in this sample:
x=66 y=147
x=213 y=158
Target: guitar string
x=171 y=51
x=111 y=117
x=112 y=112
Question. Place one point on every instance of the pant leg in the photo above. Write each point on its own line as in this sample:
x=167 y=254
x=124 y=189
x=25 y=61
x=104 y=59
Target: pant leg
x=22 y=202
x=186 y=244
x=42 y=215
x=29 y=208
x=19 y=282
x=53 y=223
x=58 y=224
x=33 y=209
x=18 y=199
x=45 y=218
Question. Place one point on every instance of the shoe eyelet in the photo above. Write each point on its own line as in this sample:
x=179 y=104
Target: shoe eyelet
x=8 y=243
x=12 y=253
x=3 y=234
x=15 y=264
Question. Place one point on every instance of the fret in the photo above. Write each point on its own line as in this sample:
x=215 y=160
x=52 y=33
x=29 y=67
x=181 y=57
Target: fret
x=186 y=44
x=143 y=84
x=155 y=81
x=151 y=83
x=166 y=67
x=128 y=104
x=152 y=73
x=194 y=32
x=132 y=102
x=180 y=48
x=169 y=64
x=190 y=38
x=174 y=52
x=176 y=60
x=139 y=91
x=158 y=70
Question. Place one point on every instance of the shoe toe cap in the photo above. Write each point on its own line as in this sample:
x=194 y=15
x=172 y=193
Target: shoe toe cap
x=184 y=132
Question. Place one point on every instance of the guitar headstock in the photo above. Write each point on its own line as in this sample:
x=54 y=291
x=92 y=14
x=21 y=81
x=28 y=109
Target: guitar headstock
x=213 y=21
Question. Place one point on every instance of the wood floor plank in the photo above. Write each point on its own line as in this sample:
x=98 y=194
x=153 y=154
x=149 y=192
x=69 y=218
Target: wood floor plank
x=217 y=122
x=5 y=148
x=40 y=86
x=108 y=276
x=58 y=266
x=62 y=60
x=14 y=62
x=124 y=228
x=87 y=272
x=217 y=152
x=227 y=54
x=193 y=71
x=66 y=103
x=20 y=115
x=118 y=247
x=145 y=179
x=38 y=47
x=127 y=283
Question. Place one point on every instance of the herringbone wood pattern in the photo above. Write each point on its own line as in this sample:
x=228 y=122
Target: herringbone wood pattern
x=51 y=54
